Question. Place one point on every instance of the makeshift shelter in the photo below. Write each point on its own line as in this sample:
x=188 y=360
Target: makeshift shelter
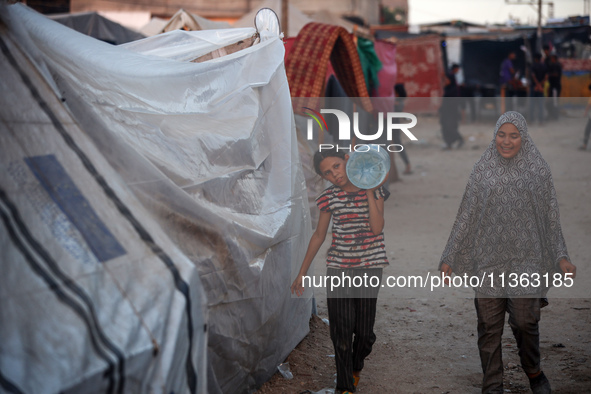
x=194 y=171
x=97 y=26
x=482 y=55
x=324 y=49
x=573 y=41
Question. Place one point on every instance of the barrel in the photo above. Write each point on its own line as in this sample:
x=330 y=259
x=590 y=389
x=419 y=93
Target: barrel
x=368 y=167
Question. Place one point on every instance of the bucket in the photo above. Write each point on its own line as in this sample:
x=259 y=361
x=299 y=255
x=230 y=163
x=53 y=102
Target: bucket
x=368 y=169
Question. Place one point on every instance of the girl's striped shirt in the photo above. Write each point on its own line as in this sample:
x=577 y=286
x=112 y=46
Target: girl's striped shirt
x=354 y=245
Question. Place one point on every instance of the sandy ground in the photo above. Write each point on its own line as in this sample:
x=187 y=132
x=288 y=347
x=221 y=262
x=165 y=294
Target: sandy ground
x=426 y=340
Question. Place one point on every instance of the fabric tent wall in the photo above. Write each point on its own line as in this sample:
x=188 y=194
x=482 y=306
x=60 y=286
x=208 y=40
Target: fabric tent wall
x=94 y=296
x=387 y=75
x=209 y=150
x=420 y=68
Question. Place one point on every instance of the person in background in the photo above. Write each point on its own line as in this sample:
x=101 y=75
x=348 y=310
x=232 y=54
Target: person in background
x=546 y=57
x=449 y=112
x=400 y=93
x=554 y=77
x=508 y=79
x=538 y=77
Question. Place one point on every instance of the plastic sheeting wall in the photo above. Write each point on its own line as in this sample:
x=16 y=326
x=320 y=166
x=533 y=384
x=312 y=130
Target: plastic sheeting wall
x=209 y=150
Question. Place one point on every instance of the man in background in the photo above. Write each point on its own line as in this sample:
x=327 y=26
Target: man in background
x=554 y=76
x=538 y=77
x=508 y=80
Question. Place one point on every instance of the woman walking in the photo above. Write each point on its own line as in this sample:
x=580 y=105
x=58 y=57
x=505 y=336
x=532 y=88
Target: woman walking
x=508 y=226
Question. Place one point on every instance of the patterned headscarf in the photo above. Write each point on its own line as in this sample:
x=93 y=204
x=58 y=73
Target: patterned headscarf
x=508 y=221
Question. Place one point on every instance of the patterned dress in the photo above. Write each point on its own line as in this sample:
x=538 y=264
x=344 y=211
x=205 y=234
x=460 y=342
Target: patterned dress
x=354 y=245
x=508 y=221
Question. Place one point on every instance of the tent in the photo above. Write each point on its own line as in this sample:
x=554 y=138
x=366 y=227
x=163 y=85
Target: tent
x=315 y=47
x=94 y=25
x=193 y=170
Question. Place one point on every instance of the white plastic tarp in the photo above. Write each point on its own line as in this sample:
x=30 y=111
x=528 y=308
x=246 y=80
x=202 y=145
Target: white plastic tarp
x=185 y=46
x=209 y=150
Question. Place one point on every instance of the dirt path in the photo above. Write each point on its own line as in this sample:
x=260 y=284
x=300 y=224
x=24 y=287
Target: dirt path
x=426 y=341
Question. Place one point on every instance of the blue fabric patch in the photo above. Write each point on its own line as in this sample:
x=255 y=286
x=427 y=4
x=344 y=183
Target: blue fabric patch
x=63 y=191
x=575 y=73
